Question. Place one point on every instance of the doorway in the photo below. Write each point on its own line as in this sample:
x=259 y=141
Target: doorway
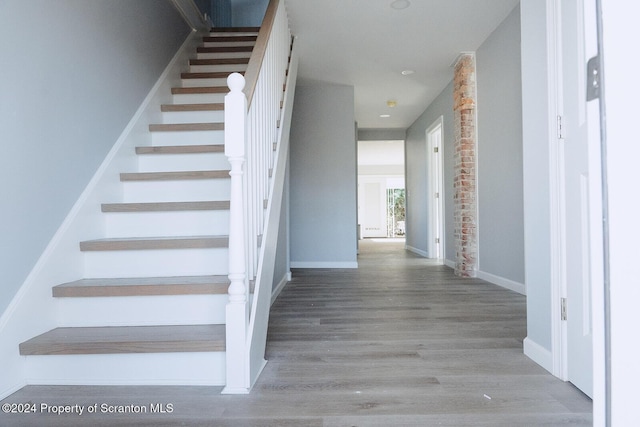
x=381 y=201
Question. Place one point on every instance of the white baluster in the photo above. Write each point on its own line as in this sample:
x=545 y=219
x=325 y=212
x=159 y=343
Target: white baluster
x=235 y=110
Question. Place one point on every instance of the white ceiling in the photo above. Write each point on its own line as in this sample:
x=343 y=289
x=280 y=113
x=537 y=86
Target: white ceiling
x=367 y=44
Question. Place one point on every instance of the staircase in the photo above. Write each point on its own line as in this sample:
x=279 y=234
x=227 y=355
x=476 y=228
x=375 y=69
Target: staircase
x=151 y=309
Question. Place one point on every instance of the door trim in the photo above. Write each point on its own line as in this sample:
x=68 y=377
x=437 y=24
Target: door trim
x=556 y=189
x=435 y=185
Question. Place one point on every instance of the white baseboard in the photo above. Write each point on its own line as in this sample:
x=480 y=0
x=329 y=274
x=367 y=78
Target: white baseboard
x=10 y=389
x=505 y=283
x=280 y=286
x=416 y=251
x=307 y=264
x=538 y=354
x=449 y=263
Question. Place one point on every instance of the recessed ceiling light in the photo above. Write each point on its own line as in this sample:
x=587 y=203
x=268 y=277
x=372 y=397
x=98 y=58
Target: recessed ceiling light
x=407 y=72
x=400 y=4
x=385 y=116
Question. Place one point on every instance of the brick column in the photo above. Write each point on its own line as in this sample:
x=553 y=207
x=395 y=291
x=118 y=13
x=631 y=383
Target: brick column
x=465 y=171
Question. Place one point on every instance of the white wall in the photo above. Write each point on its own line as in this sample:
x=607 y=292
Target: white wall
x=323 y=177
x=73 y=72
x=620 y=70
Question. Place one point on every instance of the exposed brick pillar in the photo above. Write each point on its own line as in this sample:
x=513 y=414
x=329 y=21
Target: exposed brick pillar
x=465 y=171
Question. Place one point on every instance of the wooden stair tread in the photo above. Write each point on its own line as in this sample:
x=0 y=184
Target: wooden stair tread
x=214 y=39
x=182 y=127
x=211 y=75
x=202 y=89
x=127 y=339
x=219 y=61
x=192 y=107
x=223 y=49
x=166 y=206
x=173 y=176
x=145 y=243
x=180 y=149
x=143 y=286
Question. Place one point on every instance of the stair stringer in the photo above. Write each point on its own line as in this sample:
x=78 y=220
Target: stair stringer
x=265 y=293
x=32 y=311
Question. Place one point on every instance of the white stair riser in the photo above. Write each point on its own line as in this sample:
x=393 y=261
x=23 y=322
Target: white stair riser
x=176 y=191
x=142 y=310
x=184 y=223
x=217 y=68
x=198 y=98
x=227 y=44
x=222 y=81
x=193 y=117
x=187 y=138
x=198 y=368
x=156 y=263
x=182 y=162
x=221 y=55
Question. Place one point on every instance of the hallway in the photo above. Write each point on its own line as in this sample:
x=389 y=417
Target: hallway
x=399 y=341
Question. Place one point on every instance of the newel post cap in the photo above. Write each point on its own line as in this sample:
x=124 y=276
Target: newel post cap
x=236 y=82
x=235 y=114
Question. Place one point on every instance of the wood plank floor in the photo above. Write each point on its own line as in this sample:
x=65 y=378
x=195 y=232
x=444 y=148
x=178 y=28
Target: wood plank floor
x=398 y=342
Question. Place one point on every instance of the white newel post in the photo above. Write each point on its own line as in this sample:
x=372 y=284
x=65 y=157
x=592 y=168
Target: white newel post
x=235 y=110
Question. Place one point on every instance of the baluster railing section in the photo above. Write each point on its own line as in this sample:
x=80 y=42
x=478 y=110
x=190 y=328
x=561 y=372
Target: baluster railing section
x=253 y=123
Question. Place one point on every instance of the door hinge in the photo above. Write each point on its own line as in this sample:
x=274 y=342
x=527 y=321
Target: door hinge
x=437 y=240
x=559 y=124
x=563 y=308
x=436 y=195
x=593 y=78
x=435 y=149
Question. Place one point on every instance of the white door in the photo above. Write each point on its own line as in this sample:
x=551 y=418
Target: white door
x=580 y=132
x=372 y=208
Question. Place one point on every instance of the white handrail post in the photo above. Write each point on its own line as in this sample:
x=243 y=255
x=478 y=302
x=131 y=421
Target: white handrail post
x=235 y=110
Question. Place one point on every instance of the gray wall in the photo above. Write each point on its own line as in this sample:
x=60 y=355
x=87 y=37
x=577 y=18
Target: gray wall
x=500 y=194
x=73 y=74
x=392 y=134
x=323 y=176
x=417 y=173
x=500 y=209
x=535 y=113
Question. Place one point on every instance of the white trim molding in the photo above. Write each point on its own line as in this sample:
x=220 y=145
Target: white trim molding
x=280 y=286
x=416 y=251
x=538 y=354
x=505 y=283
x=328 y=264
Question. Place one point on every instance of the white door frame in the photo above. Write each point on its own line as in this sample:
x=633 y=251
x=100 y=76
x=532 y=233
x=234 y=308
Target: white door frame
x=557 y=193
x=434 y=138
